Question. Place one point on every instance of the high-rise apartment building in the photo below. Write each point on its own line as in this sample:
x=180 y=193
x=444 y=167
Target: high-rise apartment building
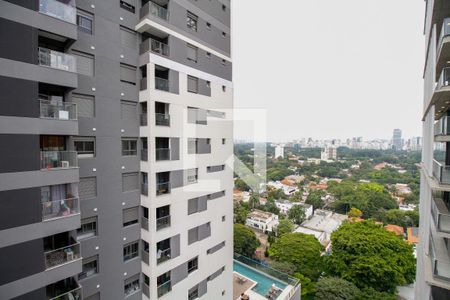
x=115 y=127
x=397 y=141
x=433 y=252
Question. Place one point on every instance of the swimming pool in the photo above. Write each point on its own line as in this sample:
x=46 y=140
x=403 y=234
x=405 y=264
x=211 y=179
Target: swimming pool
x=264 y=282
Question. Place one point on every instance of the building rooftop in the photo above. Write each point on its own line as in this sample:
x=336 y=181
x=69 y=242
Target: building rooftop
x=413 y=235
x=324 y=220
x=259 y=214
x=398 y=230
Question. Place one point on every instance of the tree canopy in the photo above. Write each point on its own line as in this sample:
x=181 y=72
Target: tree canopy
x=297 y=214
x=315 y=199
x=371 y=257
x=334 y=288
x=284 y=226
x=245 y=240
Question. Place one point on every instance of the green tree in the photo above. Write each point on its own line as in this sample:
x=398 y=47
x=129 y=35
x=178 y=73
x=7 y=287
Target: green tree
x=334 y=288
x=245 y=241
x=284 y=226
x=297 y=214
x=253 y=201
x=354 y=213
x=400 y=217
x=301 y=250
x=241 y=211
x=315 y=199
x=371 y=257
x=241 y=185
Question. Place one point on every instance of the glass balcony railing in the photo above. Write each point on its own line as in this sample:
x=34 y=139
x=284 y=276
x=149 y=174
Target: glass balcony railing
x=161 y=84
x=154 y=10
x=162 y=154
x=57 y=60
x=145 y=257
x=62 y=255
x=442 y=126
x=63 y=10
x=164 y=288
x=441 y=172
x=146 y=289
x=163 y=255
x=143 y=84
x=144 y=189
x=60 y=208
x=444 y=79
x=143 y=119
x=162 y=188
x=445 y=31
x=61 y=111
x=162 y=222
x=74 y=294
x=144 y=154
x=440 y=262
x=58 y=159
x=162 y=119
x=155 y=47
x=144 y=223
x=441 y=214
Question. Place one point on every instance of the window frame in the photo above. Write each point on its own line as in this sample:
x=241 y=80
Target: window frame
x=85 y=16
x=129 y=252
x=194 y=91
x=127 y=6
x=192 y=21
x=83 y=275
x=85 y=153
x=194 y=266
x=195 y=50
x=87 y=233
x=129 y=141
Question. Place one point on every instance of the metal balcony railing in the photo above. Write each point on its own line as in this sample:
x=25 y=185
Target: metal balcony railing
x=162 y=188
x=161 y=84
x=162 y=154
x=444 y=79
x=445 y=31
x=57 y=60
x=60 y=208
x=440 y=267
x=144 y=154
x=58 y=159
x=74 y=294
x=162 y=222
x=143 y=84
x=442 y=126
x=144 y=189
x=63 y=10
x=441 y=214
x=62 y=111
x=155 y=47
x=163 y=255
x=441 y=172
x=155 y=10
x=162 y=119
x=62 y=255
x=164 y=288
x=144 y=223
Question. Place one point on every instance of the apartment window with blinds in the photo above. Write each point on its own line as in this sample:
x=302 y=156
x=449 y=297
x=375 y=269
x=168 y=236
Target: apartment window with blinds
x=192 y=265
x=85 y=146
x=90 y=267
x=192 y=53
x=130 y=251
x=85 y=63
x=131 y=285
x=192 y=206
x=87 y=188
x=192 y=175
x=130 y=182
x=85 y=21
x=85 y=105
x=130 y=216
x=193 y=293
x=129 y=147
x=88 y=228
x=192 y=21
x=192 y=235
x=128 y=74
x=128 y=110
x=128 y=37
x=192 y=84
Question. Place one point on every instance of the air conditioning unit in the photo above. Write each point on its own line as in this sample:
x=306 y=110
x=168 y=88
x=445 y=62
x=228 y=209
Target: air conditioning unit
x=65 y=164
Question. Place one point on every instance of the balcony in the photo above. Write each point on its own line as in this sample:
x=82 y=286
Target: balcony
x=57 y=257
x=443 y=48
x=144 y=189
x=144 y=154
x=441 y=214
x=63 y=10
x=440 y=261
x=58 y=160
x=154 y=46
x=162 y=188
x=61 y=111
x=161 y=84
x=154 y=9
x=163 y=255
x=60 y=208
x=162 y=119
x=144 y=223
x=146 y=289
x=145 y=256
x=162 y=222
x=164 y=288
x=162 y=154
x=57 y=60
x=143 y=84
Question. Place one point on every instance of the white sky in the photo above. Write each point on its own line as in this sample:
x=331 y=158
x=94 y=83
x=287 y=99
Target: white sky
x=329 y=68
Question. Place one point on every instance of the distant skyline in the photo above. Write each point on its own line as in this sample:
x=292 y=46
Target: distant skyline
x=330 y=69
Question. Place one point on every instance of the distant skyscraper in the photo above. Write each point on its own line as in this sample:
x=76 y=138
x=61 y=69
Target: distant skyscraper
x=279 y=151
x=397 y=142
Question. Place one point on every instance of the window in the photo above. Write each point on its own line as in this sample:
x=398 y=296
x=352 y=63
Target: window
x=197 y=205
x=131 y=285
x=128 y=110
x=208 y=25
x=212 y=169
x=128 y=74
x=216 y=274
x=90 y=267
x=223 y=141
x=88 y=228
x=192 y=84
x=215 y=248
x=128 y=37
x=192 y=21
x=85 y=105
x=192 y=235
x=85 y=63
x=192 y=53
x=129 y=147
x=130 y=182
x=192 y=265
x=85 y=146
x=130 y=251
x=127 y=6
x=208 y=54
x=85 y=21
x=130 y=216
x=193 y=293
x=215 y=114
x=87 y=188
x=192 y=175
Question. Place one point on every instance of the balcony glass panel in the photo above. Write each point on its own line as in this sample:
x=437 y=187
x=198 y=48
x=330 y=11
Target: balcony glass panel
x=441 y=214
x=57 y=60
x=162 y=188
x=58 y=111
x=441 y=127
x=162 y=119
x=155 y=10
x=58 y=159
x=164 y=288
x=162 y=154
x=162 y=222
x=440 y=261
x=445 y=31
x=161 y=84
x=62 y=255
x=163 y=255
x=63 y=10
x=444 y=79
x=60 y=208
